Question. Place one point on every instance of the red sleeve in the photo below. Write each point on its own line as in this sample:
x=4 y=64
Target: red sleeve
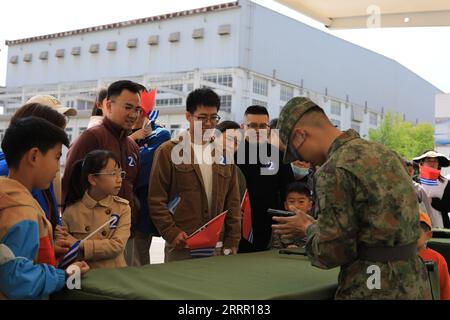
x=85 y=143
x=444 y=278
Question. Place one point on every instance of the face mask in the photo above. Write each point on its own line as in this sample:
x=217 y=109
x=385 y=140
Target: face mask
x=299 y=173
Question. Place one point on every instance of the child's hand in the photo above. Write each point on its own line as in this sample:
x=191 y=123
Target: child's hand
x=292 y=208
x=141 y=134
x=82 y=265
x=61 y=247
x=60 y=232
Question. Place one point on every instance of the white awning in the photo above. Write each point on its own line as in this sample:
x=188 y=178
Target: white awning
x=353 y=14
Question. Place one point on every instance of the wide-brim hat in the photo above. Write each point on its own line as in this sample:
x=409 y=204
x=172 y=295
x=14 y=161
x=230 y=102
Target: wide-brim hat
x=444 y=161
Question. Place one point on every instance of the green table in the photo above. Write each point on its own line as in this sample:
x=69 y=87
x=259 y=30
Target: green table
x=442 y=246
x=252 y=276
x=441 y=233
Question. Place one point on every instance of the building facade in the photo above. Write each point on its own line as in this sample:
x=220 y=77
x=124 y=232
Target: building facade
x=247 y=53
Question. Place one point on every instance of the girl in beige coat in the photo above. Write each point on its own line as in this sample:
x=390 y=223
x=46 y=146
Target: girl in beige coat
x=91 y=203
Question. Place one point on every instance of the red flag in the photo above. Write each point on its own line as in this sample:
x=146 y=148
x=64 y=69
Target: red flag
x=429 y=173
x=148 y=101
x=247 y=229
x=207 y=236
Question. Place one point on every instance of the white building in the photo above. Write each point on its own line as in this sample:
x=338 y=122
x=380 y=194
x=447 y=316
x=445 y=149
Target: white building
x=247 y=53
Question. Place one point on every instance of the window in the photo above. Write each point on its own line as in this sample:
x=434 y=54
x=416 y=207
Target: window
x=373 y=119
x=286 y=93
x=336 y=123
x=335 y=107
x=259 y=102
x=169 y=102
x=81 y=130
x=174 y=129
x=2 y=134
x=222 y=79
x=84 y=104
x=190 y=87
x=356 y=126
x=69 y=132
x=260 y=86
x=177 y=87
x=225 y=80
x=225 y=103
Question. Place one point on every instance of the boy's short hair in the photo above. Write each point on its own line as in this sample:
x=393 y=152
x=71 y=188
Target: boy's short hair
x=298 y=187
x=202 y=97
x=30 y=132
x=424 y=227
x=228 y=125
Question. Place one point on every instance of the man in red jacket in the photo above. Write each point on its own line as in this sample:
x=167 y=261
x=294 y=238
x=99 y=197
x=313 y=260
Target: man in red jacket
x=123 y=106
x=428 y=254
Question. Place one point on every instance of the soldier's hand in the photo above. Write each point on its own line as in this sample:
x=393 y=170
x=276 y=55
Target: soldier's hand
x=293 y=227
x=180 y=241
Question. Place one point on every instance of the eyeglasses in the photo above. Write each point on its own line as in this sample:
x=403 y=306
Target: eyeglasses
x=130 y=108
x=117 y=174
x=204 y=119
x=253 y=125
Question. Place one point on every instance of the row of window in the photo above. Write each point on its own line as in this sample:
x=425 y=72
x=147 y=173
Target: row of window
x=336 y=109
x=222 y=79
x=169 y=102
x=94 y=48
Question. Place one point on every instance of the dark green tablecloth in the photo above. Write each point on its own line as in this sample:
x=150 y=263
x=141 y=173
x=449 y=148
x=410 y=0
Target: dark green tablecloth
x=262 y=275
x=443 y=247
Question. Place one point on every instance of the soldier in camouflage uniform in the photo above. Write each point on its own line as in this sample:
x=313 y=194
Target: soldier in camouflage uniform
x=366 y=206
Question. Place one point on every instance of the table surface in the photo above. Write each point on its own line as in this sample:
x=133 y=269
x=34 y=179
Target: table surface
x=251 y=276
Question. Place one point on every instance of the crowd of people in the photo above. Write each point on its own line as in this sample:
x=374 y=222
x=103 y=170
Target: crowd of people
x=353 y=201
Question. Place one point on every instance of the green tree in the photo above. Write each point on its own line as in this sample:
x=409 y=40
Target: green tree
x=401 y=136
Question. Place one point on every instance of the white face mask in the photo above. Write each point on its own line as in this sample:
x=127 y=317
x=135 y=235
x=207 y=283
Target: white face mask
x=299 y=173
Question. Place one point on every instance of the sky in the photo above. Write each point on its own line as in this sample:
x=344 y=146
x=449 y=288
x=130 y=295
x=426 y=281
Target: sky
x=425 y=51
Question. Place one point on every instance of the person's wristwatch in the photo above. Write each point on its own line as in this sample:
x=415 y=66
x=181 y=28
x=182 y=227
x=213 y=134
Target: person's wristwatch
x=227 y=252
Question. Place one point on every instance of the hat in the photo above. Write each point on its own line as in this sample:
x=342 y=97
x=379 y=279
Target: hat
x=443 y=160
x=289 y=116
x=54 y=103
x=423 y=217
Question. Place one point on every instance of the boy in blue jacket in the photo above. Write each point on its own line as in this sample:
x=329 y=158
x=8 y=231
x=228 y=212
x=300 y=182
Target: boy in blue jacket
x=32 y=148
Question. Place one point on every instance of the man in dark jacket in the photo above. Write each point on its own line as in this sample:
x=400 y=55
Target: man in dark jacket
x=266 y=175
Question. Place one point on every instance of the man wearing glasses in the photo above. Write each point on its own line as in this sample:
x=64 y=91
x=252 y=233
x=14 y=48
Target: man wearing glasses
x=267 y=177
x=123 y=108
x=187 y=167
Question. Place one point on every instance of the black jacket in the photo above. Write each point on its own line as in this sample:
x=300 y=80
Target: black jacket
x=265 y=191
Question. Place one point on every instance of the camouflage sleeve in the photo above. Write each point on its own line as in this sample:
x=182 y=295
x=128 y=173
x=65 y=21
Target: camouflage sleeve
x=331 y=241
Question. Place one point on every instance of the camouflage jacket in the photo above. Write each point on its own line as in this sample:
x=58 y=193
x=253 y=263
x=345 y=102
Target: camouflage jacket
x=364 y=196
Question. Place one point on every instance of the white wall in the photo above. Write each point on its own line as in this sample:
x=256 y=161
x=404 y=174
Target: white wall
x=296 y=51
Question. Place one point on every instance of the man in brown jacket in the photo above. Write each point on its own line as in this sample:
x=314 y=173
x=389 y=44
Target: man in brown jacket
x=189 y=169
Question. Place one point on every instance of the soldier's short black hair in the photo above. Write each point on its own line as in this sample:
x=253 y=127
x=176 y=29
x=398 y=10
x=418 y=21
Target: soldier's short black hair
x=116 y=88
x=256 y=109
x=31 y=132
x=202 y=97
x=298 y=187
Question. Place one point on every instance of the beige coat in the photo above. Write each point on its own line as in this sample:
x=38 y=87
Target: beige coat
x=105 y=249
